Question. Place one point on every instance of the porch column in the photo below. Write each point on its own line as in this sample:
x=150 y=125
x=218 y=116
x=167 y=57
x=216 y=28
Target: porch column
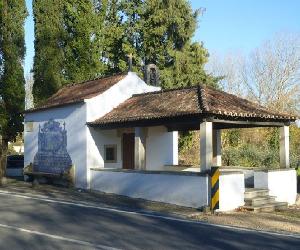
x=140 y=148
x=206 y=148
x=284 y=147
x=217 y=153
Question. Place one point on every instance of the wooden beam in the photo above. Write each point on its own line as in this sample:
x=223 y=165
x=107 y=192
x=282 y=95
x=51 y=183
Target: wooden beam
x=246 y=124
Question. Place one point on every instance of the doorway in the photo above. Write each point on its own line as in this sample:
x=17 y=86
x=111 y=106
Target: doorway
x=128 y=150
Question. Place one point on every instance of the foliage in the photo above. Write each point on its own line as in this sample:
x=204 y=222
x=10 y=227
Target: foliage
x=82 y=22
x=258 y=147
x=68 y=43
x=49 y=58
x=12 y=51
x=250 y=155
x=71 y=47
x=185 y=141
x=270 y=76
x=295 y=146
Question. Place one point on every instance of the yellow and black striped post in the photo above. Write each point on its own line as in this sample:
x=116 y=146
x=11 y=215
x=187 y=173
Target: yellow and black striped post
x=215 y=174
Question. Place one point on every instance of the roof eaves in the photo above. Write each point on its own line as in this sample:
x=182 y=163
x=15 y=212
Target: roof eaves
x=32 y=110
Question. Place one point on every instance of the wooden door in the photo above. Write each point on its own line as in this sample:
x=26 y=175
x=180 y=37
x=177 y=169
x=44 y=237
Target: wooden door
x=128 y=150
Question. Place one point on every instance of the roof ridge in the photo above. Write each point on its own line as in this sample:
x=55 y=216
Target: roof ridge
x=165 y=90
x=202 y=98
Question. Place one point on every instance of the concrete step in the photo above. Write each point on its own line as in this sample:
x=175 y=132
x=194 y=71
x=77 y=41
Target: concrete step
x=267 y=207
x=255 y=192
x=259 y=200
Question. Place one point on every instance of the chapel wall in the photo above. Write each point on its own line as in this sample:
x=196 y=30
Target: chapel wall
x=73 y=118
x=96 y=148
x=161 y=148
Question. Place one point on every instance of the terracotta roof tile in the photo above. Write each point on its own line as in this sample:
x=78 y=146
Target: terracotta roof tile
x=197 y=100
x=73 y=93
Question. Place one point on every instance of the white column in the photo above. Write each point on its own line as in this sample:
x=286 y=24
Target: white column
x=206 y=150
x=217 y=153
x=284 y=147
x=140 y=148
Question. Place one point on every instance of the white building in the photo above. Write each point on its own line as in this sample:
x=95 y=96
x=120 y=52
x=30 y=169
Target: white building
x=120 y=134
x=76 y=105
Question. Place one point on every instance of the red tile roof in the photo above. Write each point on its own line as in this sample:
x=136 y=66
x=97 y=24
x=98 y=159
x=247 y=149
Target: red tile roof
x=74 y=93
x=198 y=101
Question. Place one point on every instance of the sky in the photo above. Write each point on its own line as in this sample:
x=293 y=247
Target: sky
x=226 y=25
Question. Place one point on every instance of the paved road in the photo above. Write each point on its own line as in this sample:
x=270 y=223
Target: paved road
x=30 y=223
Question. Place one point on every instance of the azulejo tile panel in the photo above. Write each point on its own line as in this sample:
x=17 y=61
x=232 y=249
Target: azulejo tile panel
x=52 y=155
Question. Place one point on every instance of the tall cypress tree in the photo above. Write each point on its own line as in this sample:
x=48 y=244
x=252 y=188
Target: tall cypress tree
x=12 y=82
x=48 y=67
x=113 y=54
x=68 y=43
x=83 y=21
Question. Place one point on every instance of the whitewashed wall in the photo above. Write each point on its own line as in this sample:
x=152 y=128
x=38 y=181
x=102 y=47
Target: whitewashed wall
x=115 y=95
x=231 y=191
x=161 y=148
x=183 y=190
x=86 y=145
x=101 y=105
x=74 y=116
x=281 y=183
x=101 y=138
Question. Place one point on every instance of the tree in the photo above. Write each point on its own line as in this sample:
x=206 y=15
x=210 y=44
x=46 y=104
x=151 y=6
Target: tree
x=113 y=55
x=12 y=52
x=49 y=58
x=228 y=68
x=71 y=47
x=167 y=30
x=68 y=43
x=29 y=102
x=158 y=32
x=270 y=76
x=83 y=23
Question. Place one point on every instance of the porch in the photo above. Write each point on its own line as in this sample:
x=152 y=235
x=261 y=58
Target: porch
x=196 y=108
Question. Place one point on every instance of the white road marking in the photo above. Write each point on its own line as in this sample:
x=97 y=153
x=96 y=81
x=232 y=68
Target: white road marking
x=57 y=237
x=45 y=198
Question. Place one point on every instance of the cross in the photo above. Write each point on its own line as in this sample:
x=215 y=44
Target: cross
x=130 y=56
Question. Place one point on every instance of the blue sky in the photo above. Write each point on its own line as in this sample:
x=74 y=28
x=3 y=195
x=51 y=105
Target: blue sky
x=226 y=25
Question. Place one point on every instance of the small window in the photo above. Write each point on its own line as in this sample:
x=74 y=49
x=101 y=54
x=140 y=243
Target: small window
x=110 y=153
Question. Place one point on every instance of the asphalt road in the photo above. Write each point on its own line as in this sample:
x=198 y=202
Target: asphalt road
x=29 y=223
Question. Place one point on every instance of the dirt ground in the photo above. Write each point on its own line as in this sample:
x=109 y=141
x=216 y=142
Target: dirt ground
x=280 y=221
x=283 y=221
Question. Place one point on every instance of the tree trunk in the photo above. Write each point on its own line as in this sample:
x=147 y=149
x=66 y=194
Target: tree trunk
x=3 y=155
